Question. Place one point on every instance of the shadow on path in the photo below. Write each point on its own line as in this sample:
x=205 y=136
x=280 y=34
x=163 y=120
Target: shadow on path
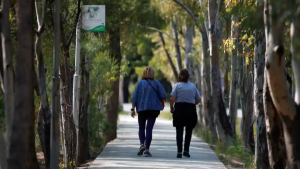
x=121 y=153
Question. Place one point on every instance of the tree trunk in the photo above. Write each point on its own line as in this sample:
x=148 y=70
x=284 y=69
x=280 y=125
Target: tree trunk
x=126 y=95
x=62 y=123
x=206 y=88
x=221 y=120
x=22 y=143
x=291 y=123
x=113 y=101
x=8 y=70
x=275 y=136
x=70 y=132
x=44 y=121
x=174 y=28
x=83 y=150
x=247 y=120
x=189 y=36
x=233 y=82
x=226 y=80
x=169 y=57
x=261 y=148
x=285 y=105
x=199 y=111
x=3 y=152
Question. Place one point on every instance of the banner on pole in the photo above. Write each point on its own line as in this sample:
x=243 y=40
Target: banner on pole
x=93 y=18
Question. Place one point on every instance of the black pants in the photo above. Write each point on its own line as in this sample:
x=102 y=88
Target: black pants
x=187 y=140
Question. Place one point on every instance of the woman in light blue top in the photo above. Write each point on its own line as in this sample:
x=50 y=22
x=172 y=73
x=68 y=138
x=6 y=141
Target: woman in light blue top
x=186 y=96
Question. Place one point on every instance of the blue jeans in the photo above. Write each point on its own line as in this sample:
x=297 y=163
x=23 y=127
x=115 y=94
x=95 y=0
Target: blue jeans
x=146 y=138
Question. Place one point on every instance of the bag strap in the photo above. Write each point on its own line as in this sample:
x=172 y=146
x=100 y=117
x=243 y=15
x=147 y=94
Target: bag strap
x=153 y=88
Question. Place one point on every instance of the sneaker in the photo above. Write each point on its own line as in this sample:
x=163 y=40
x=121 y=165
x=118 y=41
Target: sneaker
x=141 y=151
x=147 y=154
x=186 y=154
x=179 y=155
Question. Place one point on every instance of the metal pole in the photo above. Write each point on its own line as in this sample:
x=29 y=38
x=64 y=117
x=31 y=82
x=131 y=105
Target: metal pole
x=76 y=79
x=54 y=145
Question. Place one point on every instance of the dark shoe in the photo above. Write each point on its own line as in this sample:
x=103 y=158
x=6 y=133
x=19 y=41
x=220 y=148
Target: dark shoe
x=147 y=154
x=179 y=155
x=186 y=154
x=141 y=151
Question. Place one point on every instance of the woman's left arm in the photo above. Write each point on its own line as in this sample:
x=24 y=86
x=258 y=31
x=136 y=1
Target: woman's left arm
x=197 y=97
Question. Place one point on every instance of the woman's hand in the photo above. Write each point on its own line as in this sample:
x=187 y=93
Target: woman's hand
x=132 y=114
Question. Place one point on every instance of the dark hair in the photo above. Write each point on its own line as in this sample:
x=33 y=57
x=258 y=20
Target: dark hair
x=184 y=75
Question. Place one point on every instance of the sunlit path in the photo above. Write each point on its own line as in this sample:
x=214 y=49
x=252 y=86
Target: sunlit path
x=121 y=153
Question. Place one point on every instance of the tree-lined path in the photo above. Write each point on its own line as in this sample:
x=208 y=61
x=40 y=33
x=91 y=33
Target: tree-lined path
x=121 y=152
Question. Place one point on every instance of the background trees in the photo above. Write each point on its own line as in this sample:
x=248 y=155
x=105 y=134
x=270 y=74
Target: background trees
x=202 y=36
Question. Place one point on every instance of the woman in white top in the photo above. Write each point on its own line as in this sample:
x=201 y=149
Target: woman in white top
x=186 y=96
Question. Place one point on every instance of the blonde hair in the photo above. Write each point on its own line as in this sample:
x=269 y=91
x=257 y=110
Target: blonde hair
x=148 y=73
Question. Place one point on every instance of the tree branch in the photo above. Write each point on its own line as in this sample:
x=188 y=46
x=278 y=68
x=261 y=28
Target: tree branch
x=75 y=24
x=201 y=29
x=169 y=57
x=160 y=31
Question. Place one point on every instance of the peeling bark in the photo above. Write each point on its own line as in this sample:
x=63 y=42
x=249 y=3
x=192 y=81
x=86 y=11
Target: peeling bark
x=261 y=148
x=285 y=105
x=275 y=136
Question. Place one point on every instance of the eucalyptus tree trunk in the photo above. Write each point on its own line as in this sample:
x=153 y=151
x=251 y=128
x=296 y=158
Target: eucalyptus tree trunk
x=69 y=127
x=247 y=120
x=287 y=107
x=113 y=101
x=275 y=135
x=226 y=65
x=54 y=152
x=62 y=123
x=199 y=111
x=3 y=152
x=8 y=69
x=178 y=54
x=175 y=72
x=22 y=153
x=261 y=148
x=206 y=87
x=44 y=122
x=3 y=145
x=189 y=36
x=83 y=150
x=234 y=80
x=224 y=131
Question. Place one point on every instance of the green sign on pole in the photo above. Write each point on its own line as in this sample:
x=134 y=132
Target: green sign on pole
x=93 y=18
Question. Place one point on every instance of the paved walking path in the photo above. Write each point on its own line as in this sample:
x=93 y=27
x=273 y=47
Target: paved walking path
x=121 y=153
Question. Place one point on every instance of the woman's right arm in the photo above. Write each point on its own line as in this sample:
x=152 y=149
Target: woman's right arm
x=173 y=96
x=135 y=96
